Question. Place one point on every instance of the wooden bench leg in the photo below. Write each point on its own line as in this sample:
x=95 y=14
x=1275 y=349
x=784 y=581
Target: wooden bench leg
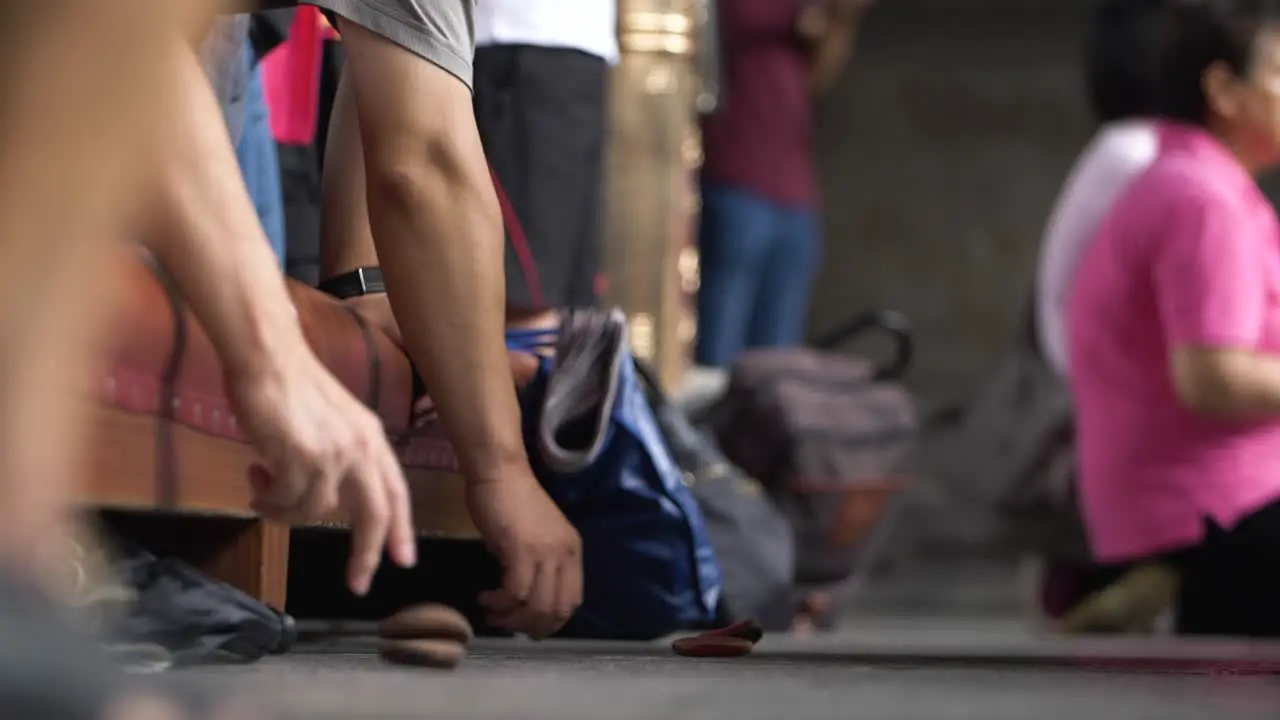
x=246 y=553
x=255 y=559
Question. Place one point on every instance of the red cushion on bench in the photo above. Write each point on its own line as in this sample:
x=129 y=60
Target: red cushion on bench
x=166 y=437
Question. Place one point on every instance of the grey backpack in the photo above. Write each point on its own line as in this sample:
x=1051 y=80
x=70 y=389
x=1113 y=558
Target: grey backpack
x=1010 y=453
x=829 y=434
x=752 y=538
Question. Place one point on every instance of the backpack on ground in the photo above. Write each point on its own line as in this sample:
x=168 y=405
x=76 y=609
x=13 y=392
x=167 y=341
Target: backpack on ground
x=827 y=433
x=1009 y=456
x=649 y=567
x=752 y=538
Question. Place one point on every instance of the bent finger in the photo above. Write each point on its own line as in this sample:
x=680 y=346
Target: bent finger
x=542 y=602
x=519 y=575
x=364 y=498
x=320 y=500
x=536 y=617
x=498 y=602
x=275 y=485
x=278 y=492
x=402 y=537
x=568 y=590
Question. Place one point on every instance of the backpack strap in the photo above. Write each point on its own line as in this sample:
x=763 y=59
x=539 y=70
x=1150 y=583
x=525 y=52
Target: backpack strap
x=1029 y=332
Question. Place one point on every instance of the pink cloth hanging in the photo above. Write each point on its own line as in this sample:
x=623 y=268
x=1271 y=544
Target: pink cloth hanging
x=291 y=78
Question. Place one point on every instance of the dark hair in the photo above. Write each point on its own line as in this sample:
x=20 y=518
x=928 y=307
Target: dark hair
x=1201 y=33
x=1123 y=57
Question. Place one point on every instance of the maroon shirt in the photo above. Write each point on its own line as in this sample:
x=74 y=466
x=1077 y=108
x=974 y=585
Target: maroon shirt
x=761 y=139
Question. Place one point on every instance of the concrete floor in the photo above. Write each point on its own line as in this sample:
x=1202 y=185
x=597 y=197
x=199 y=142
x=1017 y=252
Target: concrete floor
x=888 y=673
x=938 y=644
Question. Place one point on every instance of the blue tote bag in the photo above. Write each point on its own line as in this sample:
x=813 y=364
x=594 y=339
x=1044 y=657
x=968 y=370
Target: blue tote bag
x=648 y=564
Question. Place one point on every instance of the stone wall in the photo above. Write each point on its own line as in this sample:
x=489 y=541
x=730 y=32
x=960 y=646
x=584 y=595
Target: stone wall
x=940 y=153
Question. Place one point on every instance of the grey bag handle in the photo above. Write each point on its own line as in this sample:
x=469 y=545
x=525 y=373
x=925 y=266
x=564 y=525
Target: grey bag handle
x=583 y=387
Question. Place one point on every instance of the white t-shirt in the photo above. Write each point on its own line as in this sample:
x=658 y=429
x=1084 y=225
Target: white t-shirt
x=1116 y=155
x=587 y=25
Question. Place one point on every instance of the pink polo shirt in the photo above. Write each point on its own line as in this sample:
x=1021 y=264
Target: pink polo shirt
x=1188 y=256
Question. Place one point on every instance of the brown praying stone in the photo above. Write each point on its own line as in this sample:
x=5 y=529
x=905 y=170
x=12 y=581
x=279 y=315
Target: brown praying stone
x=440 y=654
x=427 y=622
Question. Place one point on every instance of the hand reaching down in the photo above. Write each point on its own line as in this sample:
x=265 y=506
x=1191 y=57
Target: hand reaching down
x=540 y=552
x=322 y=450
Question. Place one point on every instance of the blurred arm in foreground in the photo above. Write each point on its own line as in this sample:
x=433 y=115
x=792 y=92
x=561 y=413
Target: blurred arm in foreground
x=80 y=81
x=321 y=447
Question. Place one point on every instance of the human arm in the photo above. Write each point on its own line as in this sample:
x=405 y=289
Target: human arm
x=830 y=29
x=438 y=234
x=1211 y=288
x=1227 y=383
x=203 y=229
x=322 y=449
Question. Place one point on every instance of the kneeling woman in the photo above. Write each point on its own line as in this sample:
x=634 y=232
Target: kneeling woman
x=1174 y=334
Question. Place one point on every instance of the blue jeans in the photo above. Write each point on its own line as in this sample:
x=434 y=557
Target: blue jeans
x=260 y=161
x=758 y=260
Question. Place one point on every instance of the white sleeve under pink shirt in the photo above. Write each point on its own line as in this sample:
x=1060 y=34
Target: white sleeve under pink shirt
x=1116 y=155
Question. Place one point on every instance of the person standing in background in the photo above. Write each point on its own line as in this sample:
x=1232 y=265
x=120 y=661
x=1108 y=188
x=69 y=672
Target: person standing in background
x=541 y=75
x=759 y=236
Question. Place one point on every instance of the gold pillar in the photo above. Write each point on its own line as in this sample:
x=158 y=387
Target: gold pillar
x=650 y=257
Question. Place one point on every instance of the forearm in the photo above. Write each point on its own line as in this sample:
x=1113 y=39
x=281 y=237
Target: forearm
x=204 y=230
x=849 y=11
x=830 y=28
x=439 y=238
x=1228 y=383
x=78 y=80
x=830 y=56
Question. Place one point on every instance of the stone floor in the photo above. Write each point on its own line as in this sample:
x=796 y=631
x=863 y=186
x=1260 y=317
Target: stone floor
x=502 y=680
x=956 y=651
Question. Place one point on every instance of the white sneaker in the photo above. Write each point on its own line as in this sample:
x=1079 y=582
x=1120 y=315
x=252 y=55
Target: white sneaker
x=701 y=388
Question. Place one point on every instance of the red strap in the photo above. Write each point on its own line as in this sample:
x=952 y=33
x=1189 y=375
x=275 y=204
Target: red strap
x=291 y=80
x=519 y=243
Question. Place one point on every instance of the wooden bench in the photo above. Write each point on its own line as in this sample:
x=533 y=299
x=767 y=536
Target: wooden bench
x=167 y=443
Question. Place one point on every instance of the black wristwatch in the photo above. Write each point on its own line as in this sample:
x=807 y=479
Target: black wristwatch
x=358 y=282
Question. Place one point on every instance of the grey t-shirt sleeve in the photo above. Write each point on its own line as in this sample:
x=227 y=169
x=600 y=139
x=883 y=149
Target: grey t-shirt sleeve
x=442 y=32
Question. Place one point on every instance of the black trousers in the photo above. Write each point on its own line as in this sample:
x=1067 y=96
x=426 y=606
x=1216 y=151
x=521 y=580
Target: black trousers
x=541 y=113
x=1231 y=581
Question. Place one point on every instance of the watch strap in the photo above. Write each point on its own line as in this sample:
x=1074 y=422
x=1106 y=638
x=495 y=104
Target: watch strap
x=356 y=283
